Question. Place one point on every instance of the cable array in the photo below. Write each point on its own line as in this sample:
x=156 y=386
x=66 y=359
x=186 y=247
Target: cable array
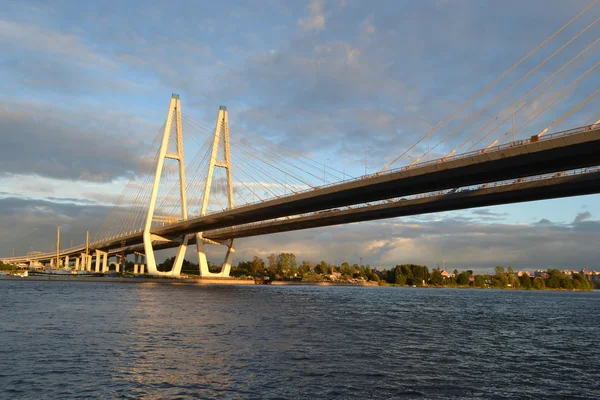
x=482 y=122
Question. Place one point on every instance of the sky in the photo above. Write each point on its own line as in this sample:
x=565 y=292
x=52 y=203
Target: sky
x=85 y=87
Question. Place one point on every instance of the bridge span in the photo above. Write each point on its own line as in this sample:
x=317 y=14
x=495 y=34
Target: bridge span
x=538 y=168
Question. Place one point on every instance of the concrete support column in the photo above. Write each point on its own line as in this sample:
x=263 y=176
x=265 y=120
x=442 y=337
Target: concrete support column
x=86 y=261
x=97 y=266
x=136 y=262
x=117 y=266
x=66 y=261
x=104 y=262
x=142 y=263
x=51 y=262
x=76 y=263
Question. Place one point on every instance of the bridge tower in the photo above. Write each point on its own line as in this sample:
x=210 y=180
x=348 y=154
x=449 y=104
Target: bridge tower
x=173 y=117
x=221 y=139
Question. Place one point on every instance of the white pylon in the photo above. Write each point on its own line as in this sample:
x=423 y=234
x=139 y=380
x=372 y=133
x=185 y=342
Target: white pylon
x=174 y=112
x=221 y=131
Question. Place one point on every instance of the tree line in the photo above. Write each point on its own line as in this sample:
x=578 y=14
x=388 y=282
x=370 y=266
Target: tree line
x=284 y=266
x=419 y=275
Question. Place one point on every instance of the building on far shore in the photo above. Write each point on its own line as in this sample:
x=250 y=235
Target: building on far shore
x=592 y=276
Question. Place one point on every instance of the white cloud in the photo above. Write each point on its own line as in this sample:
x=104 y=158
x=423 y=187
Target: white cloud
x=367 y=27
x=38 y=39
x=316 y=19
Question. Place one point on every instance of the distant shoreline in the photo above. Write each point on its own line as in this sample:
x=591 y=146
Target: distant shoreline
x=188 y=281
x=233 y=281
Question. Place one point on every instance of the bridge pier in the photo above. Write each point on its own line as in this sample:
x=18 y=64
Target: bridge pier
x=76 y=263
x=66 y=261
x=86 y=262
x=139 y=263
x=116 y=263
x=101 y=255
x=203 y=263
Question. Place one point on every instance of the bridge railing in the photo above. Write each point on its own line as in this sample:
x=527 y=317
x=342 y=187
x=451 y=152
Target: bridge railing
x=508 y=145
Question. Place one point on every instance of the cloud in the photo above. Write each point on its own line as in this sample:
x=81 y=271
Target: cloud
x=53 y=60
x=77 y=144
x=582 y=216
x=26 y=223
x=37 y=39
x=367 y=27
x=316 y=19
x=488 y=215
x=464 y=244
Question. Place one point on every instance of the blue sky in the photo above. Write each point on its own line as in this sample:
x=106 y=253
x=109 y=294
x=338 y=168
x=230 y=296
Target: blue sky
x=86 y=85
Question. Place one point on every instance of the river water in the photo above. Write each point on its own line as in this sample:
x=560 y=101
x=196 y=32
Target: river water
x=119 y=340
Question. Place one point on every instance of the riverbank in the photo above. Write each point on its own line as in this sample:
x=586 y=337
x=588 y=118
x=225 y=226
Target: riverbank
x=234 y=281
x=168 y=281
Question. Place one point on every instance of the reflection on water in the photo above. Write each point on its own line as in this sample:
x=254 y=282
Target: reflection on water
x=87 y=340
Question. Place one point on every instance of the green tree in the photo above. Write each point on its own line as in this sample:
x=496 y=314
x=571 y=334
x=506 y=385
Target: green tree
x=499 y=270
x=581 y=282
x=286 y=264
x=324 y=267
x=500 y=281
x=554 y=278
x=272 y=260
x=244 y=268
x=436 y=277
x=305 y=267
x=479 y=281
x=258 y=266
x=525 y=281
x=345 y=269
x=566 y=283
x=399 y=278
x=538 y=283
x=463 y=278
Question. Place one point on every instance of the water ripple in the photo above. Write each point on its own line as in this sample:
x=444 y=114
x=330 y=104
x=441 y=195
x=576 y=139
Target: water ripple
x=102 y=340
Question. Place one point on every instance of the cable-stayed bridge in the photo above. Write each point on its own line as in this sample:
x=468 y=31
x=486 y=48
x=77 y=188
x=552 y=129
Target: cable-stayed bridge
x=244 y=185
x=555 y=165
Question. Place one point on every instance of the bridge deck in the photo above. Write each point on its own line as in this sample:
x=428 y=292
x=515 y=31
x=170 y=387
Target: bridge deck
x=548 y=188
